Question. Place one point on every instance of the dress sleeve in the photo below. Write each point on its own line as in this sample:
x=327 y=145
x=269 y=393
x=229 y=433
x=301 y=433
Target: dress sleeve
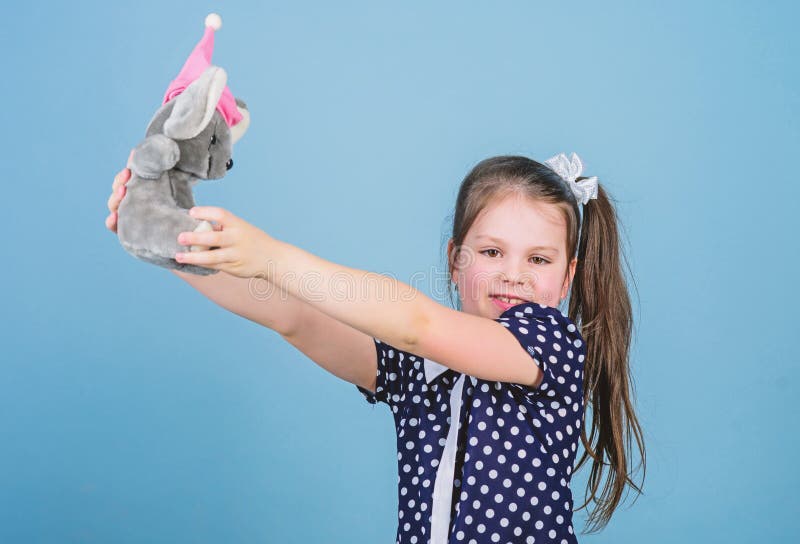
x=555 y=345
x=555 y=408
x=389 y=387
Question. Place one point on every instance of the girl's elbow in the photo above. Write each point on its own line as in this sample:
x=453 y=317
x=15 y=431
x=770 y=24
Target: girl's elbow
x=419 y=328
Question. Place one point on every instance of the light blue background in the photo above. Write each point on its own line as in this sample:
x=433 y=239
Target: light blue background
x=132 y=409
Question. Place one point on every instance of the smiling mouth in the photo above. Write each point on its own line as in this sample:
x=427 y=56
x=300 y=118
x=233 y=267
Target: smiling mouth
x=508 y=300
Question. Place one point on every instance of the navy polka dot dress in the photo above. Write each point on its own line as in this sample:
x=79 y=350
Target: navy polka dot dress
x=502 y=472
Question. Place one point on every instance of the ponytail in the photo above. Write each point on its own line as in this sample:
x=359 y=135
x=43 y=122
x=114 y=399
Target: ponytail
x=599 y=303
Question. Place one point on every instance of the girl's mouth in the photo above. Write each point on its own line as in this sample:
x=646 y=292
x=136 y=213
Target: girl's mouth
x=505 y=303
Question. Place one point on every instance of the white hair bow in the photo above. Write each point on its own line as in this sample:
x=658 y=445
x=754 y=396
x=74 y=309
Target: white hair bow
x=570 y=169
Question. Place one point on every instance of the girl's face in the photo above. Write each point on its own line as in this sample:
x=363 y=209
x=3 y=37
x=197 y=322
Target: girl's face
x=517 y=248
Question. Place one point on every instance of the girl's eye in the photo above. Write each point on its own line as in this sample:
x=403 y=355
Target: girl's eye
x=542 y=260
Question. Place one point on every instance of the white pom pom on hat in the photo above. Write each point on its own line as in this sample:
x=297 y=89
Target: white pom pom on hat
x=214 y=21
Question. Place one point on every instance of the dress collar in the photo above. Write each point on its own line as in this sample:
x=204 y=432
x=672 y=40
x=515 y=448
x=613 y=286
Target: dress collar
x=433 y=370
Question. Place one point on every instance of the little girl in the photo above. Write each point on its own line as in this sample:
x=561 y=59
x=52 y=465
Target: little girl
x=488 y=400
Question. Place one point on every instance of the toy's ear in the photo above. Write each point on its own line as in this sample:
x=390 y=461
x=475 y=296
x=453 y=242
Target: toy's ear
x=195 y=106
x=238 y=130
x=153 y=156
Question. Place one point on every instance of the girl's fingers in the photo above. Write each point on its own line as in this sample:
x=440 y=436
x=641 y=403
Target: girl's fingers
x=116 y=198
x=209 y=238
x=122 y=177
x=111 y=222
x=212 y=213
x=204 y=258
x=117 y=192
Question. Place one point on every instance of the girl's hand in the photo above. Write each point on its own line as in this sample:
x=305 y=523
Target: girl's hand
x=117 y=192
x=243 y=249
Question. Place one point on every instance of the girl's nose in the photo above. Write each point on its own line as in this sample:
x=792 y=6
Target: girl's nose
x=516 y=274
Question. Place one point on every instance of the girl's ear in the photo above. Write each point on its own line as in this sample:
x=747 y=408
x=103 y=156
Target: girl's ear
x=450 y=260
x=570 y=275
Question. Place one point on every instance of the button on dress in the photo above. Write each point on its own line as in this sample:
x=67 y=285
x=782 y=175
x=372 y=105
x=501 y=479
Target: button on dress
x=502 y=472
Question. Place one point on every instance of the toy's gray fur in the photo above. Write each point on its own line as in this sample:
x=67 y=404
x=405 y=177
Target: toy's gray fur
x=180 y=148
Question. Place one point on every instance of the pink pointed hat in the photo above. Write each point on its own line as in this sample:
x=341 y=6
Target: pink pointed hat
x=198 y=61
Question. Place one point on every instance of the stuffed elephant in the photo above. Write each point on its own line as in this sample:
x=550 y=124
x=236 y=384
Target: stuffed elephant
x=188 y=139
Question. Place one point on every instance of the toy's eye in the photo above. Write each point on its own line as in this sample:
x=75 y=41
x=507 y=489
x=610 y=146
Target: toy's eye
x=213 y=139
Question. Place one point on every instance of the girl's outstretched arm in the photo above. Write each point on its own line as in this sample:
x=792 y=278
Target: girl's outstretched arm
x=338 y=348
x=375 y=304
x=237 y=296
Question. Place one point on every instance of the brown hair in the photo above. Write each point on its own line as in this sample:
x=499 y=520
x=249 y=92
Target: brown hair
x=599 y=306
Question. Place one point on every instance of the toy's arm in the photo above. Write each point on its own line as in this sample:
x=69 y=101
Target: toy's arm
x=153 y=156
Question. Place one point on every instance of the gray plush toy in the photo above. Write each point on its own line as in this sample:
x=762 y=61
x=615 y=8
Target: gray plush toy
x=189 y=138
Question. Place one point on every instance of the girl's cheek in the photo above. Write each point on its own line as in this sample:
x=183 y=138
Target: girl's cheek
x=549 y=290
x=477 y=279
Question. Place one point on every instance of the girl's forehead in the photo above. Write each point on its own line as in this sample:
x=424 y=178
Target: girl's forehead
x=519 y=213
